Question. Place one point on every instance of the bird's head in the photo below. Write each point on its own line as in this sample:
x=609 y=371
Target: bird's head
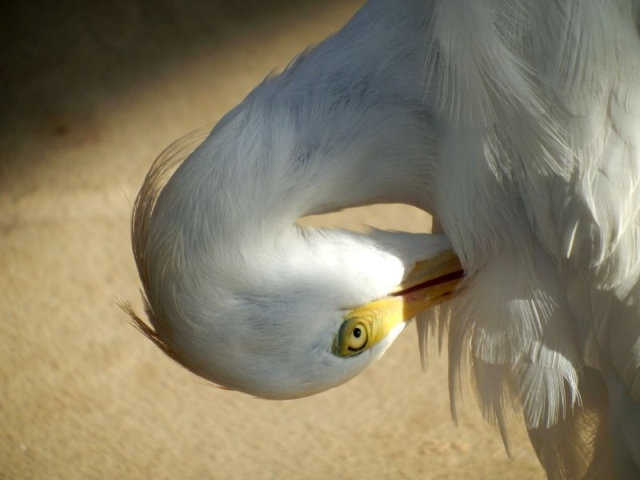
x=236 y=290
x=241 y=295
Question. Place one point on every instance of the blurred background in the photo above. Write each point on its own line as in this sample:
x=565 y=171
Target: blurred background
x=91 y=93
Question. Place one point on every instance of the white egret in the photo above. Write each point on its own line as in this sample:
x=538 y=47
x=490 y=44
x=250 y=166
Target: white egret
x=517 y=124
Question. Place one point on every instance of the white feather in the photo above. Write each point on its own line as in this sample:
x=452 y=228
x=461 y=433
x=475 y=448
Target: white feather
x=564 y=86
x=517 y=124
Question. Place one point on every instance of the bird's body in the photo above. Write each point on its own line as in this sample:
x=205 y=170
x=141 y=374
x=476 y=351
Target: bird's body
x=517 y=124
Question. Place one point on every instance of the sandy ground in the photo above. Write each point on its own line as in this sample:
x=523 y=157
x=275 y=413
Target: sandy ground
x=92 y=92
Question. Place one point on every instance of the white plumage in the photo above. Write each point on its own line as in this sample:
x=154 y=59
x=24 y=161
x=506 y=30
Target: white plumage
x=517 y=124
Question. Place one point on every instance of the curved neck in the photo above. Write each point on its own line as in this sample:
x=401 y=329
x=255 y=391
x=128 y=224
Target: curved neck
x=338 y=128
x=343 y=126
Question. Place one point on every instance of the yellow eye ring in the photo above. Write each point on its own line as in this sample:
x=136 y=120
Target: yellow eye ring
x=358 y=338
x=353 y=337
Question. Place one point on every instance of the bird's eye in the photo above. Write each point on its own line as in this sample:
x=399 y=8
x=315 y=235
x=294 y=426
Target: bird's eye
x=358 y=338
x=353 y=338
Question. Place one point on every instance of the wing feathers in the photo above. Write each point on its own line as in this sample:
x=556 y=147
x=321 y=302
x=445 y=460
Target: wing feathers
x=550 y=94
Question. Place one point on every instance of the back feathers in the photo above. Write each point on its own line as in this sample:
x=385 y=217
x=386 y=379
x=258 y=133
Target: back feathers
x=540 y=195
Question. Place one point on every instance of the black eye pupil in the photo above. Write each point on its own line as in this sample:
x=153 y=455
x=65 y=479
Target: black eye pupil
x=357 y=332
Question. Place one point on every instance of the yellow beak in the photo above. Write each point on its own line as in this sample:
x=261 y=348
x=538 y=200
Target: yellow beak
x=429 y=283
